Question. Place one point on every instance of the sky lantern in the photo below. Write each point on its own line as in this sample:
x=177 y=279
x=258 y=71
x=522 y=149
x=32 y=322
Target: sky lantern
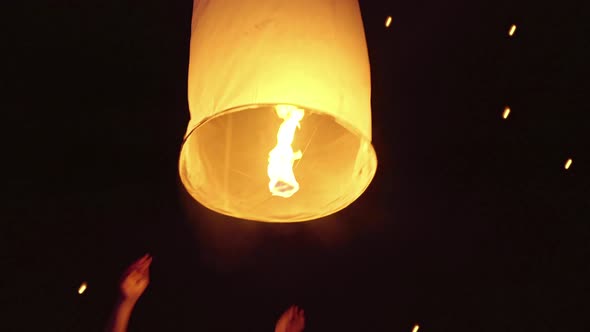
x=279 y=95
x=82 y=288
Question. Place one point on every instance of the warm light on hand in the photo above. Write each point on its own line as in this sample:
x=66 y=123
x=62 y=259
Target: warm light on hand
x=136 y=279
x=292 y=320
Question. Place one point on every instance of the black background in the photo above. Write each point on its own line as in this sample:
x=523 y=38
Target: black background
x=471 y=223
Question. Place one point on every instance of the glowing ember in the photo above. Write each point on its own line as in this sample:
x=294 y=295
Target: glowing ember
x=280 y=159
x=82 y=288
x=506 y=112
x=388 y=21
x=568 y=163
x=512 y=30
x=416 y=327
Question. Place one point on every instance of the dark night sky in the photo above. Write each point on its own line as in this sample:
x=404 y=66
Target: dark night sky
x=471 y=223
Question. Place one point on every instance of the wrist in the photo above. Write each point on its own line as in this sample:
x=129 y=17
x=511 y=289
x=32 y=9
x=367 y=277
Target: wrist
x=126 y=302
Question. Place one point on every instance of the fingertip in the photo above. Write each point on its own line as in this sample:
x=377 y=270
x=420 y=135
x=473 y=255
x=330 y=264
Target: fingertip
x=141 y=259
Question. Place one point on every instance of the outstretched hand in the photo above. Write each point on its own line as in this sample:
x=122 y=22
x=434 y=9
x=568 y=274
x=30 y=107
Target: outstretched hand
x=292 y=320
x=135 y=279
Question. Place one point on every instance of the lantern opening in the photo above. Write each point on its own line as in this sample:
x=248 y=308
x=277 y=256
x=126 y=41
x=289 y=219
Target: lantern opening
x=225 y=163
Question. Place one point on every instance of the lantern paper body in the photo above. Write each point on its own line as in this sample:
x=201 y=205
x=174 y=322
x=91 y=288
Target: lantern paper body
x=246 y=57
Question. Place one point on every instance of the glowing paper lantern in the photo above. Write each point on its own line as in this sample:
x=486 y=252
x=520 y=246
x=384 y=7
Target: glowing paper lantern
x=506 y=112
x=388 y=21
x=82 y=288
x=512 y=30
x=279 y=97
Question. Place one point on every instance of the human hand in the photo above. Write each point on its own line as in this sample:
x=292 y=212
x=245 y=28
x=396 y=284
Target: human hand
x=292 y=320
x=135 y=279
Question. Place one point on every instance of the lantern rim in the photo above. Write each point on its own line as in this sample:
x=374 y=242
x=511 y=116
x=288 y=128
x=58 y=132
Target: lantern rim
x=349 y=127
x=241 y=108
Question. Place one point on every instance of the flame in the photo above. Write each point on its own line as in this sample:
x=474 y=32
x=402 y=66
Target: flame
x=416 y=327
x=568 y=163
x=280 y=159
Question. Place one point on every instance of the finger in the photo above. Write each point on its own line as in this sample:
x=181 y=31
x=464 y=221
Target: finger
x=143 y=259
x=300 y=315
x=138 y=271
x=294 y=313
x=136 y=277
x=288 y=313
x=147 y=260
x=142 y=263
x=141 y=279
x=137 y=263
x=131 y=276
x=145 y=271
x=144 y=267
x=129 y=271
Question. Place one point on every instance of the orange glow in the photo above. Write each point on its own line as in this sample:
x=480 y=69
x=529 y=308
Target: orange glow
x=512 y=30
x=568 y=163
x=82 y=288
x=291 y=59
x=280 y=159
x=416 y=327
x=506 y=112
x=388 y=21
